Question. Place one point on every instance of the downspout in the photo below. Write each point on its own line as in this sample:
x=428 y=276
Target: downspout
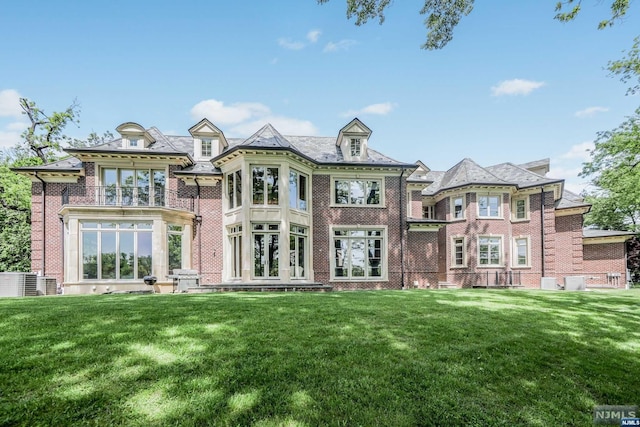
x=199 y=224
x=401 y=223
x=542 y=227
x=44 y=224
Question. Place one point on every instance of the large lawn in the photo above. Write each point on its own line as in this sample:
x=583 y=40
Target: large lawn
x=396 y=358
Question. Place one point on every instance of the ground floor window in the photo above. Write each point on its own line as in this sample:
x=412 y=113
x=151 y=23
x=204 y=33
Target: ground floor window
x=297 y=251
x=266 y=250
x=490 y=249
x=116 y=250
x=235 y=244
x=358 y=254
x=459 y=252
x=521 y=252
x=174 y=245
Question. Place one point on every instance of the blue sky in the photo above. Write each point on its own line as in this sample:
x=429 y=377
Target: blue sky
x=513 y=85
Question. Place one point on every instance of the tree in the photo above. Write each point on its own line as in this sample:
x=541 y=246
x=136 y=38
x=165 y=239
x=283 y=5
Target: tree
x=615 y=172
x=628 y=67
x=442 y=16
x=92 y=139
x=44 y=135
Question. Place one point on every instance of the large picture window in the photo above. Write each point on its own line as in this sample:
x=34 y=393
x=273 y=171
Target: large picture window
x=297 y=190
x=116 y=250
x=490 y=251
x=357 y=192
x=359 y=254
x=132 y=187
x=265 y=185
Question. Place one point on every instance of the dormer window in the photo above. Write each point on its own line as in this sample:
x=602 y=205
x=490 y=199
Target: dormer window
x=208 y=140
x=134 y=136
x=206 y=147
x=134 y=142
x=355 y=147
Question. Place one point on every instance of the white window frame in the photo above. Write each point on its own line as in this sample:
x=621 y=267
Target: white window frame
x=209 y=141
x=234 y=233
x=234 y=200
x=453 y=207
x=355 y=147
x=454 y=247
x=515 y=255
x=368 y=182
x=384 y=256
x=298 y=203
x=514 y=208
x=265 y=195
x=500 y=247
x=489 y=196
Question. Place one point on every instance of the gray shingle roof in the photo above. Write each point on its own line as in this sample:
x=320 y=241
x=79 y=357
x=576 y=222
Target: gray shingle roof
x=570 y=200
x=267 y=137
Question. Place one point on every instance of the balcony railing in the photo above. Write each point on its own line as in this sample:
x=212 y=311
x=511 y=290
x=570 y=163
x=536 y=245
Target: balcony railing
x=80 y=195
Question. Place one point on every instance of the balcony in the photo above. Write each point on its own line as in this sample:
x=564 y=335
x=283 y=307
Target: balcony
x=140 y=197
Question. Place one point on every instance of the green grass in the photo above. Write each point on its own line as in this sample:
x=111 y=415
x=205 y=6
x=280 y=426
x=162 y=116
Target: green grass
x=395 y=358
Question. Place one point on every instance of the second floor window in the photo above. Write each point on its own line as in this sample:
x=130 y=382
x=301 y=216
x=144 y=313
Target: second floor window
x=519 y=209
x=489 y=206
x=458 y=207
x=265 y=185
x=357 y=192
x=297 y=190
x=429 y=212
x=234 y=189
x=132 y=187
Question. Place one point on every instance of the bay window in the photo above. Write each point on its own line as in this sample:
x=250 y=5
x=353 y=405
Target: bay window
x=297 y=190
x=265 y=185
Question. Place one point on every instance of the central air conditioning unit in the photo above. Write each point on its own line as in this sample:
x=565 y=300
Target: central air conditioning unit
x=18 y=284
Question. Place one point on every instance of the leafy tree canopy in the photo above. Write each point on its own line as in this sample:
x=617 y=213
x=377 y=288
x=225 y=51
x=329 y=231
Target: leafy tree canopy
x=615 y=171
x=628 y=68
x=442 y=16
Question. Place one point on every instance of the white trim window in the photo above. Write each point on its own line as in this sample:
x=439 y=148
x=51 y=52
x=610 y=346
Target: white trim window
x=266 y=250
x=132 y=187
x=206 y=147
x=297 y=190
x=298 y=249
x=490 y=251
x=520 y=209
x=457 y=207
x=235 y=246
x=429 y=212
x=359 y=254
x=355 y=147
x=265 y=185
x=234 y=189
x=358 y=192
x=521 y=252
x=458 y=252
x=118 y=250
x=489 y=206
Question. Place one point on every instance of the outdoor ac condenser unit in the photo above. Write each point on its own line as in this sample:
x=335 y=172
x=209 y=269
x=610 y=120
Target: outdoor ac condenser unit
x=47 y=285
x=18 y=284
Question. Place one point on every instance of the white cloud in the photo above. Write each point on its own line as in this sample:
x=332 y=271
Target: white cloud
x=380 y=109
x=340 y=45
x=246 y=118
x=8 y=139
x=515 y=87
x=313 y=35
x=568 y=166
x=579 y=151
x=10 y=103
x=290 y=44
x=590 y=112
x=222 y=114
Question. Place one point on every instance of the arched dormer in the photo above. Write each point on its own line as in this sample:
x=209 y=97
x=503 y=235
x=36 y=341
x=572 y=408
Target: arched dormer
x=134 y=136
x=353 y=140
x=208 y=140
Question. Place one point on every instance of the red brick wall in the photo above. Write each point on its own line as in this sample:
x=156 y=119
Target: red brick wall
x=324 y=215
x=208 y=235
x=416 y=204
x=46 y=238
x=569 y=245
x=603 y=258
x=422 y=259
